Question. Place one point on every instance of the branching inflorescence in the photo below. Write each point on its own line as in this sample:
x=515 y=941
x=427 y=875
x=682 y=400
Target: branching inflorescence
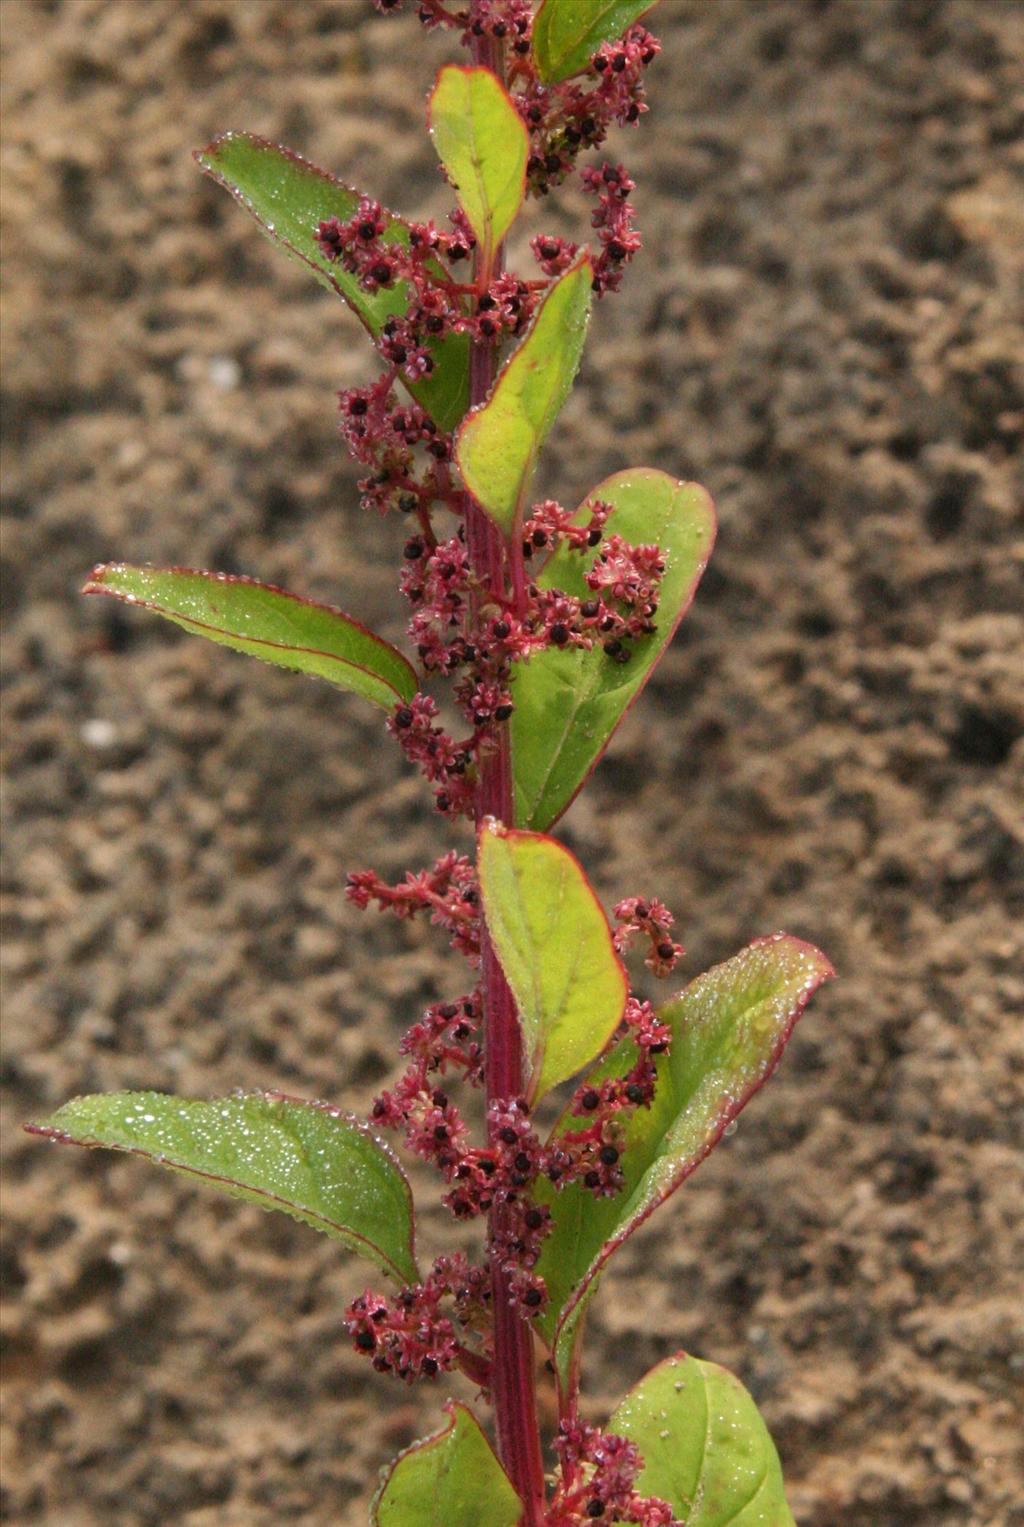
x=545 y=622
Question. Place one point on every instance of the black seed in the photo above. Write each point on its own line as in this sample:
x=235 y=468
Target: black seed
x=609 y=1155
x=590 y=1099
x=366 y=1341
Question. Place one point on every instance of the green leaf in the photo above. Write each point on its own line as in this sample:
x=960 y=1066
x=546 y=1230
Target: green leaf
x=705 y=1448
x=289 y=198
x=729 y=1028
x=497 y=445
x=267 y=623
x=556 y=950
x=567 y=33
x=568 y=702
x=483 y=144
x=449 y=1480
x=309 y=1160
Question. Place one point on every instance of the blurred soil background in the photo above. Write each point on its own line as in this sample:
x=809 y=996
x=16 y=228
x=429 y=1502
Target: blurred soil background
x=823 y=328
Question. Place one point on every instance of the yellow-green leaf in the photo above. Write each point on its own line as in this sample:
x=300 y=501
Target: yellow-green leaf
x=267 y=623
x=483 y=144
x=729 y=1028
x=555 y=947
x=497 y=445
x=451 y=1479
x=567 y=33
x=308 y=1160
x=706 y=1449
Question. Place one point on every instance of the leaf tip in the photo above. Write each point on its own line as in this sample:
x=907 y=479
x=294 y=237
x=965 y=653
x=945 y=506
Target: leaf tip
x=96 y=583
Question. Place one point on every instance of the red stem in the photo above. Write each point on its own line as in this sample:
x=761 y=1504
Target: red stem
x=512 y=1379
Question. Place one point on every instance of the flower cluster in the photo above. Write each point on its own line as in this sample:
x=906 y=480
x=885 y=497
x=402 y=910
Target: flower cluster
x=406 y=1336
x=598 y=1474
x=652 y=920
x=445 y=762
x=407 y=453
x=613 y=219
x=566 y=119
x=448 y=892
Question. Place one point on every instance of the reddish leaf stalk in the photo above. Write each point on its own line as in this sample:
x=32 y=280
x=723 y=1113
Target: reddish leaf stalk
x=512 y=1380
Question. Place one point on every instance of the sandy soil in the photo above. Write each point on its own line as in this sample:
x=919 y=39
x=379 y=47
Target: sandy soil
x=822 y=331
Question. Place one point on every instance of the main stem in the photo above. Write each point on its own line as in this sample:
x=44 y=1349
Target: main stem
x=512 y=1385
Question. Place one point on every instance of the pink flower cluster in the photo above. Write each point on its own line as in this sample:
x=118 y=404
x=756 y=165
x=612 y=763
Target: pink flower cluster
x=568 y=118
x=410 y=1338
x=448 y=892
x=651 y=919
x=598 y=1474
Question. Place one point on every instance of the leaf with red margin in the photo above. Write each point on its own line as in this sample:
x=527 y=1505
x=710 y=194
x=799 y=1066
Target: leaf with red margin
x=451 y=1479
x=729 y=1029
x=289 y=198
x=552 y=938
x=483 y=145
x=706 y=1450
x=568 y=702
x=267 y=623
x=309 y=1160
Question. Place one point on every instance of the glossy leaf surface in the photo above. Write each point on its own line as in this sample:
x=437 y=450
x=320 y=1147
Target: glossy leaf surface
x=729 y=1029
x=568 y=702
x=706 y=1450
x=497 y=446
x=555 y=947
x=482 y=142
x=449 y=1480
x=289 y=198
x=566 y=33
x=267 y=623
x=306 y=1159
